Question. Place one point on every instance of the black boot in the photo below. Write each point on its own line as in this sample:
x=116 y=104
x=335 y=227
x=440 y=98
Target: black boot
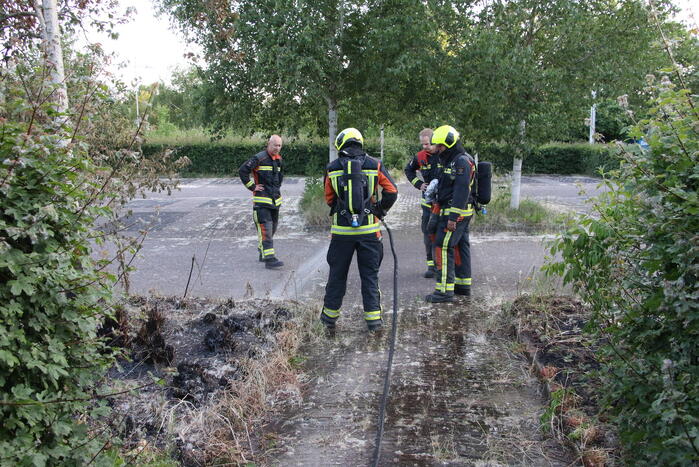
x=462 y=290
x=374 y=325
x=273 y=263
x=439 y=297
x=429 y=274
x=328 y=322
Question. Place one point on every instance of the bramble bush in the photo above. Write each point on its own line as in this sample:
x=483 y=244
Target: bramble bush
x=635 y=260
x=59 y=179
x=52 y=298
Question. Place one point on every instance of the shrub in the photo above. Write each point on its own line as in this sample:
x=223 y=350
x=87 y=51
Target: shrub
x=636 y=261
x=550 y=158
x=300 y=158
x=52 y=297
x=56 y=183
x=571 y=158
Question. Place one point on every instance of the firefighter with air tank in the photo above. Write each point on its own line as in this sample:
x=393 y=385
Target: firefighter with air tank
x=352 y=184
x=455 y=208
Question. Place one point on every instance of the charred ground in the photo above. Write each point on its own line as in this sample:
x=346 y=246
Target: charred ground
x=204 y=369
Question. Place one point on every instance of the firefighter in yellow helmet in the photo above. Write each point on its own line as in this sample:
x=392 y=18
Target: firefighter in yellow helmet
x=352 y=184
x=452 y=248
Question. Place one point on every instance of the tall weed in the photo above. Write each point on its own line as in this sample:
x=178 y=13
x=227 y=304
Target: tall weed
x=315 y=209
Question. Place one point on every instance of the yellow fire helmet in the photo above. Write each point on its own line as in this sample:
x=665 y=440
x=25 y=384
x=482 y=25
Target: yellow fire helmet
x=445 y=135
x=347 y=135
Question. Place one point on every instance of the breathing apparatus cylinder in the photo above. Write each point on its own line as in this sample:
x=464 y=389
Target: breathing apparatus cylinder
x=484 y=175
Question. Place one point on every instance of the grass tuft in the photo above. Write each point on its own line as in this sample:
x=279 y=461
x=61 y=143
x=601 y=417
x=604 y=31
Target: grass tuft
x=532 y=216
x=313 y=205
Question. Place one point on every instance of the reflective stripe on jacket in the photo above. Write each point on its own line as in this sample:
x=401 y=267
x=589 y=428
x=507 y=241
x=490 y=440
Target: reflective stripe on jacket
x=429 y=167
x=267 y=171
x=454 y=193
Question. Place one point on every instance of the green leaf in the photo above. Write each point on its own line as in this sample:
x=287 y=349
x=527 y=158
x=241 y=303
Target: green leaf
x=21 y=285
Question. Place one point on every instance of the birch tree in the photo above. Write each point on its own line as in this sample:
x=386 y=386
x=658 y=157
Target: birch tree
x=530 y=66
x=47 y=14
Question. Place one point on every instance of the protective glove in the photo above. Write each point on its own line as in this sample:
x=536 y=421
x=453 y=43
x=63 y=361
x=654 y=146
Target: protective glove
x=378 y=211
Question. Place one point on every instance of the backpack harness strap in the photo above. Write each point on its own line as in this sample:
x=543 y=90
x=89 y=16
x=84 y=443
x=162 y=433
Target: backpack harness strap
x=354 y=190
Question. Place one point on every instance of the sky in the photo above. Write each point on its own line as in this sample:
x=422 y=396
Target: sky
x=154 y=49
x=149 y=44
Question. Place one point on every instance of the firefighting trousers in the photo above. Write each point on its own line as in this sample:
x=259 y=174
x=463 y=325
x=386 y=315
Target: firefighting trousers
x=266 y=221
x=452 y=256
x=369 y=256
x=426 y=237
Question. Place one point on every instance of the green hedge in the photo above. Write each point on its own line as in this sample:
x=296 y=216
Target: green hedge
x=551 y=158
x=300 y=158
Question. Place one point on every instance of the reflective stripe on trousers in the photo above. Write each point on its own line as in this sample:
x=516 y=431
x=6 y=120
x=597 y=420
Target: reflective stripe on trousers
x=266 y=221
x=445 y=253
x=369 y=250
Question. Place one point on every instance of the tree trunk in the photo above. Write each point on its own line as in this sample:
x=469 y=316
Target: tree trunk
x=48 y=18
x=517 y=168
x=332 y=127
x=40 y=15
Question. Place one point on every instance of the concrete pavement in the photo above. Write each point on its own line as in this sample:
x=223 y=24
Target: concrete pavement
x=211 y=220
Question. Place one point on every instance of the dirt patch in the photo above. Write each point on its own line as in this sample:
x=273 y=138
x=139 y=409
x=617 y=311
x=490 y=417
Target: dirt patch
x=550 y=332
x=205 y=371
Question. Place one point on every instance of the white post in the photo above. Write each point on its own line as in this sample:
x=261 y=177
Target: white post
x=516 y=182
x=382 y=142
x=517 y=169
x=593 y=117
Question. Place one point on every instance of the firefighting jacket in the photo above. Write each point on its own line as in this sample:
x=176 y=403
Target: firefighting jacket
x=428 y=165
x=266 y=170
x=376 y=175
x=454 y=193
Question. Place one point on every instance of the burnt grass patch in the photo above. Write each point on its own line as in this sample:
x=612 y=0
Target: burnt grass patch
x=550 y=332
x=205 y=371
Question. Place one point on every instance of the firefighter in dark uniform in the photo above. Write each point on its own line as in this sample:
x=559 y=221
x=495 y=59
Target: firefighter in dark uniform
x=352 y=184
x=265 y=168
x=427 y=163
x=452 y=248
